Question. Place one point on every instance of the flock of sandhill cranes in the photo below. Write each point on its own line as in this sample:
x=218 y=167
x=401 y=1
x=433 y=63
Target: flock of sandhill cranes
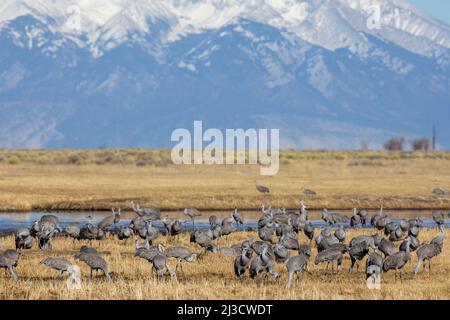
x=279 y=231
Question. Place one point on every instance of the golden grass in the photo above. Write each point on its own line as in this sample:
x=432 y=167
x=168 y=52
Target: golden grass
x=45 y=180
x=212 y=277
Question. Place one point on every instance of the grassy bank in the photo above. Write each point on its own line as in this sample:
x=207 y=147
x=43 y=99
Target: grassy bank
x=100 y=179
x=212 y=277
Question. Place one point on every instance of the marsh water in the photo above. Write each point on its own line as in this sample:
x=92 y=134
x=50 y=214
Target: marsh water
x=11 y=221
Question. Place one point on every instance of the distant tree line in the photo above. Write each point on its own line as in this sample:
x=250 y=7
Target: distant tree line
x=398 y=144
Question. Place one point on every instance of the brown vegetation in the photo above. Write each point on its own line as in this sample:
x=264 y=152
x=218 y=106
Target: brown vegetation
x=212 y=277
x=100 y=179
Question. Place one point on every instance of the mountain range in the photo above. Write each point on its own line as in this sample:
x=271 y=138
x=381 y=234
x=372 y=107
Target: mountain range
x=126 y=73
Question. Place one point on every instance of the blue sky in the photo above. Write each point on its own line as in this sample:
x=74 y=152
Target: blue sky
x=437 y=8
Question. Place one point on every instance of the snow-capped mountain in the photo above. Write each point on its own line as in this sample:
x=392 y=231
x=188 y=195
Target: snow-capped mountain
x=328 y=73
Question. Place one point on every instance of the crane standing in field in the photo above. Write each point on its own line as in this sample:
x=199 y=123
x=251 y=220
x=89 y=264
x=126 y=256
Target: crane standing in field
x=58 y=264
x=398 y=261
x=192 y=213
x=109 y=220
x=430 y=250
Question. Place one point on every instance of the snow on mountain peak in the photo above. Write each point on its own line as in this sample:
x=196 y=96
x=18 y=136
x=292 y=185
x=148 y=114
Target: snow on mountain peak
x=331 y=24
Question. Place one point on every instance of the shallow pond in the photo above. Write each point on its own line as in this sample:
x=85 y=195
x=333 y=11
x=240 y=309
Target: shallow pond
x=11 y=221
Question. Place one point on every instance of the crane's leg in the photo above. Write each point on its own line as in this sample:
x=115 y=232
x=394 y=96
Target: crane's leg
x=181 y=267
x=13 y=274
x=353 y=263
x=416 y=269
x=288 y=284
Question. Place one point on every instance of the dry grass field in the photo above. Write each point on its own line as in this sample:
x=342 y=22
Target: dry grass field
x=212 y=277
x=100 y=179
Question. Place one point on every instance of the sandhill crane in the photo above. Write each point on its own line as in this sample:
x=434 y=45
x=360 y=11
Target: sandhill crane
x=227 y=228
x=326 y=242
x=376 y=259
x=372 y=241
x=23 y=239
x=229 y=251
x=296 y=265
x=340 y=234
x=284 y=229
x=440 y=192
x=381 y=223
x=8 y=262
x=357 y=253
x=181 y=254
x=438 y=217
x=387 y=247
x=125 y=233
x=266 y=233
x=172 y=227
x=86 y=249
x=159 y=264
x=414 y=244
x=237 y=217
x=261 y=188
x=396 y=235
x=414 y=231
x=91 y=232
x=404 y=225
x=303 y=210
x=109 y=220
x=330 y=256
x=258 y=246
x=44 y=230
x=378 y=215
x=308 y=192
x=149 y=213
x=334 y=217
x=415 y=222
x=304 y=249
x=397 y=261
x=290 y=242
x=203 y=240
x=364 y=216
x=213 y=221
x=439 y=240
x=355 y=218
x=151 y=233
x=95 y=262
x=58 y=264
x=429 y=251
x=266 y=211
x=281 y=252
x=49 y=218
x=73 y=231
x=389 y=228
x=308 y=230
x=192 y=213
x=242 y=262
x=374 y=266
x=327 y=217
x=146 y=252
x=263 y=264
